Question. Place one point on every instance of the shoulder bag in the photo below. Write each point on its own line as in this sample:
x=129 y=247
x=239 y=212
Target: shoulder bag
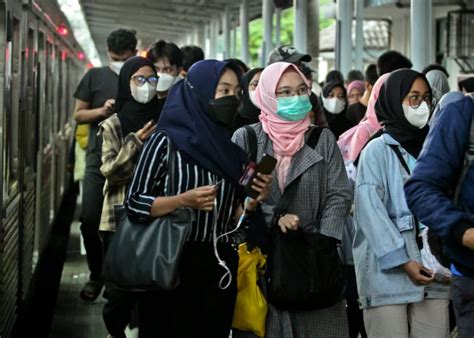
x=145 y=256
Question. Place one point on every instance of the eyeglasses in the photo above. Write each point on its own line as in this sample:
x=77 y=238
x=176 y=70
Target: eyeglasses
x=415 y=100
x=140 y=80
x=290 y=92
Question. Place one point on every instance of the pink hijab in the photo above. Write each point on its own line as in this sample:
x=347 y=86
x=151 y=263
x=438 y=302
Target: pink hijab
x=287 y=136
x=357 y=84
x=353 y=140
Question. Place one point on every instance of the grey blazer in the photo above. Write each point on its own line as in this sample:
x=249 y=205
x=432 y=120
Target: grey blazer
x=324 y=192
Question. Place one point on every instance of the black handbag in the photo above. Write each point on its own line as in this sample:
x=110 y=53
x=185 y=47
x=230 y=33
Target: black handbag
x=145 y=256
x=304 y=271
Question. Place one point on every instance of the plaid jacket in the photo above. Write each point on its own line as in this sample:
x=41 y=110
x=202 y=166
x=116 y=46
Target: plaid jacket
x=119 y=156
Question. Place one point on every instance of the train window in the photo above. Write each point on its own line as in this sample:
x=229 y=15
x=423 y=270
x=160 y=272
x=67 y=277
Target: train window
x=31 y=116
x=11 y=113
x=48 y=90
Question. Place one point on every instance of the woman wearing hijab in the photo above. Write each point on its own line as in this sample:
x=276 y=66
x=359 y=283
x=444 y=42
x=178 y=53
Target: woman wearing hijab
x=123 y=135
x=356 y=110
x=249 y=112
x=334 y=101
x=439 y=84
x=323 y=193
x=354 y=140
x=396 y=290
x=197 y=119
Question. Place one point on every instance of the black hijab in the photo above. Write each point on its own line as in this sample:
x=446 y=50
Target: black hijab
x=186 y=121
x=390 y=113
x=248 y=111
x=132 y=114
x=338 y=123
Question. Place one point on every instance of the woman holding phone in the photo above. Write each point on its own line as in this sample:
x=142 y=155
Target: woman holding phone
x=123 y=135
x=197 y=120
x=397 y=290
x=323 y=193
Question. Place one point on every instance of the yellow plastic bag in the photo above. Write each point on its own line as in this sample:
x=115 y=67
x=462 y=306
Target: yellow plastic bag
x=82 y=135
x=251 y=307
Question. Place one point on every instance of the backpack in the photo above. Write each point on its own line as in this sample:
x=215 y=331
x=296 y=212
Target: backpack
x=435 y=242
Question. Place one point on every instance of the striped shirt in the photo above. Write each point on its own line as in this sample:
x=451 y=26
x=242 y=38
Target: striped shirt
x=151 y=180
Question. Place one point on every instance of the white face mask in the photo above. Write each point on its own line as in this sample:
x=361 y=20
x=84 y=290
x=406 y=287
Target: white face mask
x=252 y=97
x=418 y=117
x=116 y=66
x=143 y=94
x=165 y=82
x=334 y=105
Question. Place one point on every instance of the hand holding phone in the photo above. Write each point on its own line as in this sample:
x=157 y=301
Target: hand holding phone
x=265 y=167
x=147 y=130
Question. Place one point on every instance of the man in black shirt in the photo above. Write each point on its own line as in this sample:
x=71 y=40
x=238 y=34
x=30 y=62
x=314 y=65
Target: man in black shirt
x=95 y=98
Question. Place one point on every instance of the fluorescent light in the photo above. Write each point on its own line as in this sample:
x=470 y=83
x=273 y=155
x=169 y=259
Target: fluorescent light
x=75 y=16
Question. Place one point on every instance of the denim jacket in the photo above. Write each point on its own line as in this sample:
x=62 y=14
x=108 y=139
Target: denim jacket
x=385 y=235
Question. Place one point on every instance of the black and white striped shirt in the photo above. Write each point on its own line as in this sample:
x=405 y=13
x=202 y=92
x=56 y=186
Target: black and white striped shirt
x=150 y=180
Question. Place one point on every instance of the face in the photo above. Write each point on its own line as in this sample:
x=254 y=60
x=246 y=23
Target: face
x=337 y=92
x=291 y=84
x=163 y=65
x=254 y=82
x=419 y=92
x=143 y=75
x=228 y=85
x=354 y=96
x=124 y=56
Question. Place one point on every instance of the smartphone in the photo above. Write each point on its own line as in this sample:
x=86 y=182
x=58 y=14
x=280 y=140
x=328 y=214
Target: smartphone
x=265 y=166
x=425 y=273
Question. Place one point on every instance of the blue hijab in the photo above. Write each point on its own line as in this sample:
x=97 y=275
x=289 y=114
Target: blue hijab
x=185 y=119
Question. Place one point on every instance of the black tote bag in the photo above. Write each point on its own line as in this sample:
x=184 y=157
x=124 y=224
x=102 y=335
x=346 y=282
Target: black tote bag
x=145 y=256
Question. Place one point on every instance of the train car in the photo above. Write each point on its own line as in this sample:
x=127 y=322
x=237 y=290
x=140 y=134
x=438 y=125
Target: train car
x=39 y=70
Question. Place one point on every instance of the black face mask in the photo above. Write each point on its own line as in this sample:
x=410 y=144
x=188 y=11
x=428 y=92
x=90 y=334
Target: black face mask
x=223 y=111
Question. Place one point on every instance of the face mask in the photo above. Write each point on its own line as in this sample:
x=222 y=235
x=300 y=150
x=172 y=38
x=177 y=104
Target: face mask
x=252 y=98
x=334 y=105
x=223 y=111
x=143 y=94
x=418 y=117
x=294 y=108
x=165 y=81
x=115 y=66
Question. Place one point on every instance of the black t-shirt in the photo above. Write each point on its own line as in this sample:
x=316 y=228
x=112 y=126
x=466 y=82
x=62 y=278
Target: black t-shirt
x=97 y=86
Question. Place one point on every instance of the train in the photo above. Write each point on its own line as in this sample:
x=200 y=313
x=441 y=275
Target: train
x=40 y=67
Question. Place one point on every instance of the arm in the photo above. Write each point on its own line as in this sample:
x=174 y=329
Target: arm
x=339 y=192
x=429 y=190
x=118 y=162
x=82 y=113
x=145 y=195
x=371 y=215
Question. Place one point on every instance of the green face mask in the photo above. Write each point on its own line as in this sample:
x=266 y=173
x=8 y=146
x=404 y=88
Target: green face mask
x=294 y=108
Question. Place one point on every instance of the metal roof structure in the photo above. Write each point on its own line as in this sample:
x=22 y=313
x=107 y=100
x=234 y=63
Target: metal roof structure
x=157 y=19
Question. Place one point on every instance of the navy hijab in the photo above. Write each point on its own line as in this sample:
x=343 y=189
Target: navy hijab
x=133 y=115
x=185 y=119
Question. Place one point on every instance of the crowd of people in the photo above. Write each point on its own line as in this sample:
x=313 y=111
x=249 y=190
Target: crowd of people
x=389 y=175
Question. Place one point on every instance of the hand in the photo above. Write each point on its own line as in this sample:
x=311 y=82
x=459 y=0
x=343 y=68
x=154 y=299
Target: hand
x=289 y=222
x=201 y=198
x=146 y=131
x=261 y=184
x=468 y=238
x=413 y=268
x=108 y=107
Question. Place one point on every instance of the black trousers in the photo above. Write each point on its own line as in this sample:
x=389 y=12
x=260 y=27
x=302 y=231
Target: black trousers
x=117 y=311
x=462 y=295
x=92 y=200
x=198 y=307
